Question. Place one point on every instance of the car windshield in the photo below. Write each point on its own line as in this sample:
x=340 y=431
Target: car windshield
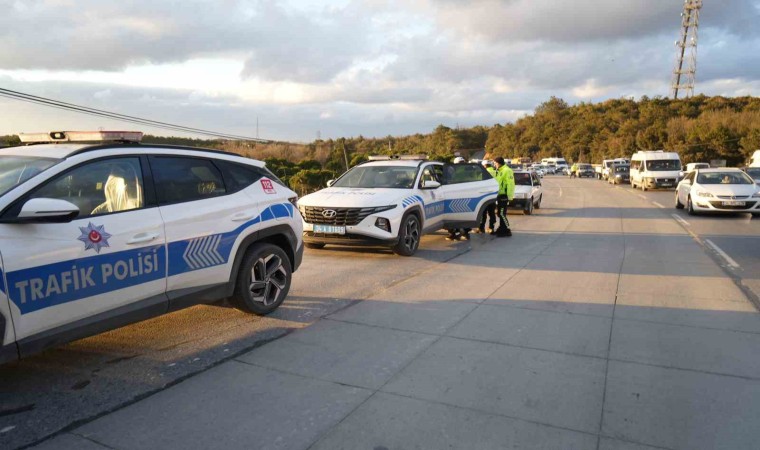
x=754 y=173
x=394 y=177
x=622 y=169
x=724 y=178
x=664 y=164
x=14 y=170
x=523 y=179
x=584 y=166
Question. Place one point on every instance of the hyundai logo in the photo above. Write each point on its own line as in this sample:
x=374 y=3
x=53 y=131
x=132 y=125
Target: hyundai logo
x=329 y=213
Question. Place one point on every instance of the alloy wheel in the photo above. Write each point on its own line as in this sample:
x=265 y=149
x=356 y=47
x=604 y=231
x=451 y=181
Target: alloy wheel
x=268 y=279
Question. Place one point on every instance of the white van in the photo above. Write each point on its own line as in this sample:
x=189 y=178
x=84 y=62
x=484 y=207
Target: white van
x=655 y=169
x=558 y=162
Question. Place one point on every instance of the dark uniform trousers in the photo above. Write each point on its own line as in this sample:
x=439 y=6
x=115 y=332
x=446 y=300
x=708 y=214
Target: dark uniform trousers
x=502 y=202
x=489 y=213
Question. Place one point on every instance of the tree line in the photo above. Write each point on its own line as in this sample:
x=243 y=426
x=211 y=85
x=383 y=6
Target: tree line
x=700 y=128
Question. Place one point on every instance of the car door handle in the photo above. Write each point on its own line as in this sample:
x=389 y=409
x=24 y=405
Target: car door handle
x=242 y=216
x=142 y=237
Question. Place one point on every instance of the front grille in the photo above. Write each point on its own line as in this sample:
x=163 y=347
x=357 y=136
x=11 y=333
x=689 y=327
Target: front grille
x=343 y=216
x=733 y=197
x=666 y=180
x=719 y=205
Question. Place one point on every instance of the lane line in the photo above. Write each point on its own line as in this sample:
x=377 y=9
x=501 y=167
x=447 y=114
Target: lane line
x=642 y=196
x=725 y=256
x=658 y=205
x=679 y=219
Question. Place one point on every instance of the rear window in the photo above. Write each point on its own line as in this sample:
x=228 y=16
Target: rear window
x=523 y=179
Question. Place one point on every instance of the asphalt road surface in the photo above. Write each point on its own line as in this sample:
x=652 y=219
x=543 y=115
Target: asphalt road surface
x=594 y=256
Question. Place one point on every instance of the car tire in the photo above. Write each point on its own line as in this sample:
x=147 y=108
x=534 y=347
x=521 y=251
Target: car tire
x=529 y=209
x=263 y=280
x=409 y=235
x=679 y=205
x=314 y=245
x=538 y=204
x=690 y=207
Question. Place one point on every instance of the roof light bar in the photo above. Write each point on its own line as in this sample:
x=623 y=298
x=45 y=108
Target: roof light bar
x=401 y=157
x=81 y=136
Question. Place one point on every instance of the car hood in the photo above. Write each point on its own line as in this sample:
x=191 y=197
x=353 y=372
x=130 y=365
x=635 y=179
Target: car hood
x=728 y=189
x=354 y=197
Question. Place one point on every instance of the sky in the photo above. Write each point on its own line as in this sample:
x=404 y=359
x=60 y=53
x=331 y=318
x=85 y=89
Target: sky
x=308 y=68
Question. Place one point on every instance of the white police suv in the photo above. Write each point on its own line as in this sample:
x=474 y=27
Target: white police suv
x=393 y=202
x=94 y=236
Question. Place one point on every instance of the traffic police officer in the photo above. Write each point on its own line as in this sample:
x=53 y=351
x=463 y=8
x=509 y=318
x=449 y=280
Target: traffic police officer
x=490 y=211
x=506 y=179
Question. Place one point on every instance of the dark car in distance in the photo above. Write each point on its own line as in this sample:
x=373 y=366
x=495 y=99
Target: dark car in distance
x=619 y=174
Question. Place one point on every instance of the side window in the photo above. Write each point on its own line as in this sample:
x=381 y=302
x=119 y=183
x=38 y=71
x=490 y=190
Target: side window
x=466 y=173
x=239 y=176
x=100 y=187
x=429 y=174
x=181 y=179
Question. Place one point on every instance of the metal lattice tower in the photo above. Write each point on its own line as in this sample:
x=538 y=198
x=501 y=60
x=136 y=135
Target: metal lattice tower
x=684 y=73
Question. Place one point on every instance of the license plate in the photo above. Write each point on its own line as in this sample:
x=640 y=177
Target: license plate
x=329 y=229
x=733 y=203
x=666 y=184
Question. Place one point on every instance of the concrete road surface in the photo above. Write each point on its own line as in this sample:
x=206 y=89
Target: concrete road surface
x=603 y=323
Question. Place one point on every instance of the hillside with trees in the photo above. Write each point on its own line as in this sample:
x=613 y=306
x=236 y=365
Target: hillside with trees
x=699 y=128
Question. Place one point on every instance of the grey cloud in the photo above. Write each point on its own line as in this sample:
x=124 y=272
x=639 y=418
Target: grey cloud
x=98 y=35
x=584 y=20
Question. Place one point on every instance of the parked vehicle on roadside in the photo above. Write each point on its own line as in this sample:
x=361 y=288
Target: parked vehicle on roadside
x=655 y=169
x=607 y=166
x=620 y=174
x=755 y=159
x=718 y=190
x=585 y=170
x=393 y=202
x=101 y=234
x=528 y=192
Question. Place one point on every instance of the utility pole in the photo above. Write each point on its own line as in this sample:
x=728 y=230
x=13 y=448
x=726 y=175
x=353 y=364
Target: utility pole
x=684 y=78
x=257 y=127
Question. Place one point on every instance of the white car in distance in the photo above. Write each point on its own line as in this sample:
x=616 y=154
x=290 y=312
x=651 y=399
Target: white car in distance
x=718 y=190
x=392 y=203
x=528 y=192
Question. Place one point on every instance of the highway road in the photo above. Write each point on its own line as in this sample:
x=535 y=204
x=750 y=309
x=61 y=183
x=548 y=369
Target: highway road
x=608 y=320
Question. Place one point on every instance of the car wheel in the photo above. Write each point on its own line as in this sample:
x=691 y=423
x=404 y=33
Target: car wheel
x=679 y=205
x=314 y=245
x=690 y=207
x=408 y=236
x=529 y=209
x=263 y=280
x=538 y=204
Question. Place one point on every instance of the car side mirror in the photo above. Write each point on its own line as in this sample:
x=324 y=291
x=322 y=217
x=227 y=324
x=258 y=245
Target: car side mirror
x=330 y=182
x=430 y=184
x=47 y=210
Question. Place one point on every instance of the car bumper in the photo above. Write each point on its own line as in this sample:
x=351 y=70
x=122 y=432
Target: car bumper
x=348 y=239
x=298 y=258
x=660 y=183
x=519 y=203
x=712 y=205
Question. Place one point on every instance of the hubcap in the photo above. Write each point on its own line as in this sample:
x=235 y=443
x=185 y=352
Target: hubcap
x=412 y=234
x=268 y=279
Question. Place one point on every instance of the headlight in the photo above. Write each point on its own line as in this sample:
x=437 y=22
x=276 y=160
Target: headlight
x=618 y=176
x=704 y=194
x=756 y=195
x=380 y=209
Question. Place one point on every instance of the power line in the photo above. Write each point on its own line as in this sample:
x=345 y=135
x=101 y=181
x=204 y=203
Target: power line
x=15 y=95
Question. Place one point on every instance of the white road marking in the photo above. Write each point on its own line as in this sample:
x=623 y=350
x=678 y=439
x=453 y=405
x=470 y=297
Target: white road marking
x=658 y=205
x=7 y=429
x=679 y=219
x=725 y=256
x=643 y=196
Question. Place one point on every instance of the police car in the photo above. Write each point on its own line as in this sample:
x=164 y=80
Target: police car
x=392 y=202
x=98 y=231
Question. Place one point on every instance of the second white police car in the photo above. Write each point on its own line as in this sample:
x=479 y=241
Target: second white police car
x=95 y=236
x=393 y=202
